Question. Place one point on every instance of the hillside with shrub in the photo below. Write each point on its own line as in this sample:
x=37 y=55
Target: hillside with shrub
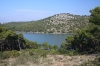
x=57 y=24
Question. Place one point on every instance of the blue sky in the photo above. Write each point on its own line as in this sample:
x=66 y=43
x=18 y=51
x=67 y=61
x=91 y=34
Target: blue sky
x=27 y=10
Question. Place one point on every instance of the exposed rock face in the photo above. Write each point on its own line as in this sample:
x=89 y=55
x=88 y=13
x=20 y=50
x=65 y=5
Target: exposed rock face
x=66 y=23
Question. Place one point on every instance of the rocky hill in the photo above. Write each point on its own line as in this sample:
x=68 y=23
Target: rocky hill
x=57 y=24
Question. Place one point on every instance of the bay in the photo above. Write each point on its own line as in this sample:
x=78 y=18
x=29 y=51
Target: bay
x=52 y=39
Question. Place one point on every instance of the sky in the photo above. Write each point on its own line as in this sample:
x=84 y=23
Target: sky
x=28 y=10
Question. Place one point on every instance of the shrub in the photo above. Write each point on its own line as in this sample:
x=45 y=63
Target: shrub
x=6 y=54
x=54 y=51
x=12 y=54
x=44 y=53
x=63 y=51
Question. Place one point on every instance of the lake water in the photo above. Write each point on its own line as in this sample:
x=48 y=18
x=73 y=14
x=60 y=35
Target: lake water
x=52 y=39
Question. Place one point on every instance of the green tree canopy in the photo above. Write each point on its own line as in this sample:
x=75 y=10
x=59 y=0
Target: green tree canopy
x=95 y=16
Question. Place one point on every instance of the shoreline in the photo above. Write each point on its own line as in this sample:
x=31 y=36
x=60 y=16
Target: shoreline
x=41 y=33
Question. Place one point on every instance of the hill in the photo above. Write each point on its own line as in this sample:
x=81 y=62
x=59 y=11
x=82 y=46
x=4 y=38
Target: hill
x=58 y=23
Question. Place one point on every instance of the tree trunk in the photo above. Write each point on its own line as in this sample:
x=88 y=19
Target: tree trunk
x=19 y=44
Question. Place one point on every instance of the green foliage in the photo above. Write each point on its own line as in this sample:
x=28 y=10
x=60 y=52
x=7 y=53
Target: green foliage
x=6 y=54
x=8 y=40
x=45 y=45
x=14 y=53
x=31 y=45
x=43 y=53
x=12 y=41
x=95 y=16
x=68 y=52
x=54 y=52
x=86 y=40
x=55 y=47
x=50 y=47
x=66 y=45
x=63 y=51
x=10 y=54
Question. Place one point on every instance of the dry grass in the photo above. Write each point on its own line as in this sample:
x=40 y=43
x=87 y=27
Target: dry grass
x=50 y=60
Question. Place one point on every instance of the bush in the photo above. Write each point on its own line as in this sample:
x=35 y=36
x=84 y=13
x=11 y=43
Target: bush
x=6 y=54
x=12 y=54
x=63 y=51
x=54 y=51
x=44 y=53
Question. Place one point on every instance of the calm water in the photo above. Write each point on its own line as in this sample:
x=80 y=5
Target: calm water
x=52 y=39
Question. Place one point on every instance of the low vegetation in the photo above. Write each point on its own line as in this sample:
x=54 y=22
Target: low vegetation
x=95 y=62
